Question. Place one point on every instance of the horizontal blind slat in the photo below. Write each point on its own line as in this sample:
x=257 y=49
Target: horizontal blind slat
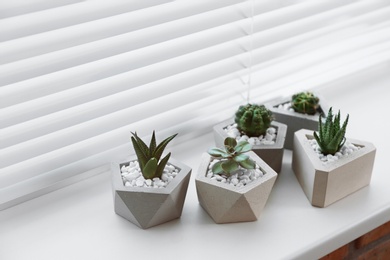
x=81 y=109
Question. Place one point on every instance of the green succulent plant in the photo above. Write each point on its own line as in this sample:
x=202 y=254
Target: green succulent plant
x=331 y=136
x=253 y=120
x=231 y=157
x=305 y=103
x=149 y=157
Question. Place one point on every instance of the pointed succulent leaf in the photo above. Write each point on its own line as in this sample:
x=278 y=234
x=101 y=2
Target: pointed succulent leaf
x=241 y=157
x=229 y=166
x=331 y=136
x=243 y=147
x=141 y=144
x=248 y=164
x=160 y=148
x=217 y=168
x=152 y=146
x=318 y=139
x=161 y=166
x=150 y=169
x=142 y=158
x=320 y=130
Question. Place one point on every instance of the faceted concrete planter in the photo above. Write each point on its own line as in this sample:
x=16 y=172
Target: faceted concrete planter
x=225 y=203
x=326 y=183
x=147 y=207
x=271 y=154
x=294 y=120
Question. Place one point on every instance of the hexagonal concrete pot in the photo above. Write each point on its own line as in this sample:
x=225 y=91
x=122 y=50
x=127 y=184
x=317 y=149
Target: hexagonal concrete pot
x=225 y=203
x=326 y=183
x=271 y=154
x=147 y=207
x=294 y=120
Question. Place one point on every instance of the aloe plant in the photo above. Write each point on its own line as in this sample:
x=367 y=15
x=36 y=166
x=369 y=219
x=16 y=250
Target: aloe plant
x=231 y=157
x=331 y=136
x=305 y=103
x=253 y=120
x=149 y=157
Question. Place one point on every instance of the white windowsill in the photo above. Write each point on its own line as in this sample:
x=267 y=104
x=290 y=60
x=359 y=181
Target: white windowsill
x=78 y=221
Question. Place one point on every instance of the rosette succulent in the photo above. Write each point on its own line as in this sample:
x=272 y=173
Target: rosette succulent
x=253 y=120
x=305 y=103
x=149 y=157
x=331 y=136
x=232 y=157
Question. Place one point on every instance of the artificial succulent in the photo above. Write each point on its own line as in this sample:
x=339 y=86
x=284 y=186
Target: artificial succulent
x=305 y=103
x=231 y=157
x=331 y=136
x=253 y=120
x=149 y=157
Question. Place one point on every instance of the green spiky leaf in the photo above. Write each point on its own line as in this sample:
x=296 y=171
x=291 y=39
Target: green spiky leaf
x=152 y=146
x=149 y=157
x=331 y=136
x=160 y=148
x=142 y=158
x=141 y=144
x=161 y=166
x=150 y=169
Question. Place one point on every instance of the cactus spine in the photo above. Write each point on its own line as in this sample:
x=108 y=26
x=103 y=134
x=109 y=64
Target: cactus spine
x=253 y=120
x=331 y=135
x=305 y=103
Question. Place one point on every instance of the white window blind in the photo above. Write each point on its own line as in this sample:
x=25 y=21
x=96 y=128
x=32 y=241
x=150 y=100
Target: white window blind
x=77 y=76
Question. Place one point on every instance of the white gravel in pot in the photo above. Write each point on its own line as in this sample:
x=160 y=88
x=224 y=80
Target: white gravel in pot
x=239 y=178
x=345 y=150
x=132 y=176
x=268 y=139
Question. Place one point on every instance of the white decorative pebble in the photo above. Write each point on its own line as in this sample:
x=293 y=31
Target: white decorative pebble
x=239 y=178
x=268 y=139
x=139 y=183
x=133 y=177
x=347 y=149
x=271 y=131
x=164 y=177
x=251 y=141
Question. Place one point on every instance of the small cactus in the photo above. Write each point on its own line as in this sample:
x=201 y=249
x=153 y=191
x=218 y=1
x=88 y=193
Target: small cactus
x=331 y=137
x=305 y=103
x=232 y=157
x=149 y=157
x=253 y=120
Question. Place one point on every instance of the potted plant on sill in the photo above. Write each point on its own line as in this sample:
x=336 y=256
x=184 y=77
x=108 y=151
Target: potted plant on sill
x=254 y=123
x=233 y=184
x=328 y=166
x=300 y=111
x=149 y=191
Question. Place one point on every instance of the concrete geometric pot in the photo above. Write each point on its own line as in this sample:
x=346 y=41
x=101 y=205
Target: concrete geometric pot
x=294 y=120
x=147 y=207
x=326 y=183
x=226 y=203
x=271 y=154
